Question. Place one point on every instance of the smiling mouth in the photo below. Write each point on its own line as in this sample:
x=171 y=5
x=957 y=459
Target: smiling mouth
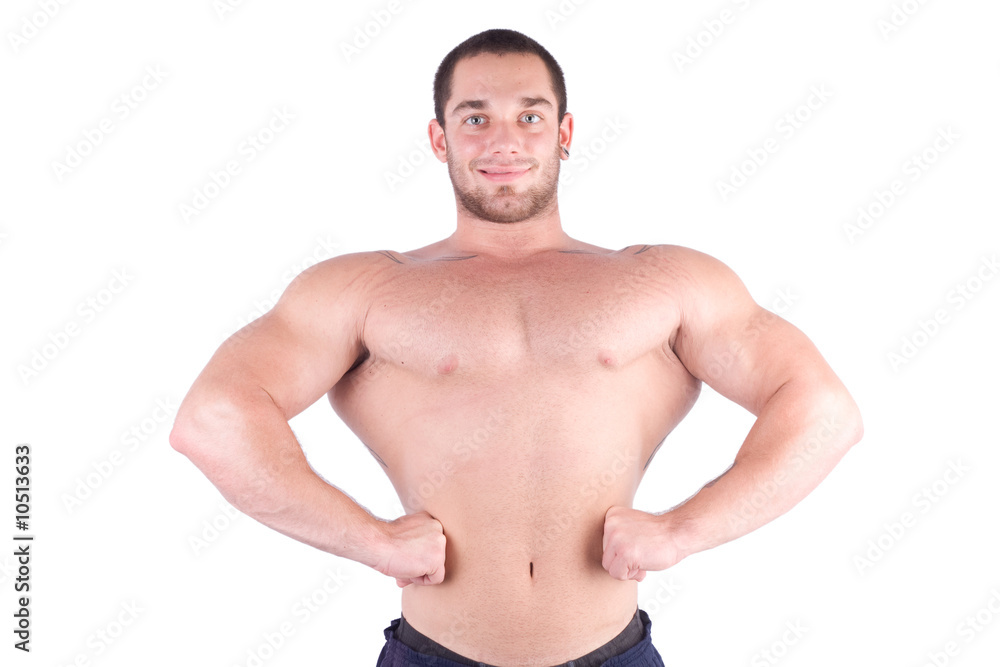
x=503 y=174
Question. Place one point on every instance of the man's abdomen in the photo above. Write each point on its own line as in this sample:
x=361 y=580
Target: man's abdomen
x=521 y=491
x=518 y=588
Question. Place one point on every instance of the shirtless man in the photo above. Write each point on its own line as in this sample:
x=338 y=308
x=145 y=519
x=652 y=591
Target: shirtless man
x=514 y=384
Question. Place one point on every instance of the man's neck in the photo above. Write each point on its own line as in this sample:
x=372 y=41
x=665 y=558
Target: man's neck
x=509 y=240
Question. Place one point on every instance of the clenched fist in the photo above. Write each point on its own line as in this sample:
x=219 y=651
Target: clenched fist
x=635 y=542
x=413 y=551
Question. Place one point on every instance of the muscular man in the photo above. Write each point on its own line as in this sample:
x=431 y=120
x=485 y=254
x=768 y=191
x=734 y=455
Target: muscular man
x=514 y=384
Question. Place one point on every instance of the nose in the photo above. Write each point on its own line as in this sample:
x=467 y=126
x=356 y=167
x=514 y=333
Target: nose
x=504 y=139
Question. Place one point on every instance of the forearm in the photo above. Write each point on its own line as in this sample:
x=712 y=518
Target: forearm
x=247 y=449
x=798 y=438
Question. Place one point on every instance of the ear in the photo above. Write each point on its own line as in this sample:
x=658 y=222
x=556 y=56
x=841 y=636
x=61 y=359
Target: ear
x=438 y=142
x=566 y=133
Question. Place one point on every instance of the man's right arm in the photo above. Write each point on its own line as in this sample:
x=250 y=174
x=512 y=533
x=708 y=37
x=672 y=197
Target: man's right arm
x=233 y=425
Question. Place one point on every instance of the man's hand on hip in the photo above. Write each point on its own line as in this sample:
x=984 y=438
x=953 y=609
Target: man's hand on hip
x=414 y=550
x=635 y=542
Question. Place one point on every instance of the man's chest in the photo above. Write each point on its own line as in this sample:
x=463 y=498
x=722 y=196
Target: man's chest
x=441 y=318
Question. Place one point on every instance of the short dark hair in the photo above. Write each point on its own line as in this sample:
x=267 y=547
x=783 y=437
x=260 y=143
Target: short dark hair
x=498 y=41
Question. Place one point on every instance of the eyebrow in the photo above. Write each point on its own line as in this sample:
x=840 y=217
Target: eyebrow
x=484 y=104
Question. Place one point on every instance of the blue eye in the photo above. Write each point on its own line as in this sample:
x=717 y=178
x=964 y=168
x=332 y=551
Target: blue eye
x=532 y=115
x=472 y=118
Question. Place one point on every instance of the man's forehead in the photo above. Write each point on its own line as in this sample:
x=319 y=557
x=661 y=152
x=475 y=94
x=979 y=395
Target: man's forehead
x=490 y=76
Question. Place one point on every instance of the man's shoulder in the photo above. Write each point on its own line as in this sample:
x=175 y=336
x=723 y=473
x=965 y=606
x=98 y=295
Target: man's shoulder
x=681 y=260
x=385 y=257
x=349 y=265
x=667 y=251
x=701 y=286
x=350 y=273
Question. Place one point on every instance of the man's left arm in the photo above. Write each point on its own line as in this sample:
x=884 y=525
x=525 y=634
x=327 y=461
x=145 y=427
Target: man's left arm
x=806 y=422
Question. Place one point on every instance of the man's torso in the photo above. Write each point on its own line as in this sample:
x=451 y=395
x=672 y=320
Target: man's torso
x=516 y=402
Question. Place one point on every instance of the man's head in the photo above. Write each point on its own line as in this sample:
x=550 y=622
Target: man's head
x=501 y=125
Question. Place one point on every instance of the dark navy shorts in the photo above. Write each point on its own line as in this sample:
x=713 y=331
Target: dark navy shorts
x=633 y=647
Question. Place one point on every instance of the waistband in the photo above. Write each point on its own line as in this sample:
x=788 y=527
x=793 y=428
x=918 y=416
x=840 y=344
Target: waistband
x=633 y=633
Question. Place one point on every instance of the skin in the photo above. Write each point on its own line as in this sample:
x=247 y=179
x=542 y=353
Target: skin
x=514 y=384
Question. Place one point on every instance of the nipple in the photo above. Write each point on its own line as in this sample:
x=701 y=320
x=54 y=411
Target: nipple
x=448 y=364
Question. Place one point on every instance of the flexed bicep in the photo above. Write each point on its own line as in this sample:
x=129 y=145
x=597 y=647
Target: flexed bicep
x=740 y=349
x=299 y=349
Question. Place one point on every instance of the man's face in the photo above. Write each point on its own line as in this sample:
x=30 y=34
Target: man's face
x=502 y=141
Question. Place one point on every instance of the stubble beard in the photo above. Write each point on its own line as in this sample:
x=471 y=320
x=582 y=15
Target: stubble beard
x=504 y=203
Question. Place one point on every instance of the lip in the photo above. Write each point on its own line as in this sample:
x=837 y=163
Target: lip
x=502 y=174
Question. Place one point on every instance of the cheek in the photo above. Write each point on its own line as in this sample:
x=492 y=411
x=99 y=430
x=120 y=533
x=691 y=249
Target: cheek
x=540 y=143
x=467 y=149
x=472 y=148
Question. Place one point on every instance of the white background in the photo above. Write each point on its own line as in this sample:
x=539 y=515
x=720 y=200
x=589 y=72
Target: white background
x=673 y=131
